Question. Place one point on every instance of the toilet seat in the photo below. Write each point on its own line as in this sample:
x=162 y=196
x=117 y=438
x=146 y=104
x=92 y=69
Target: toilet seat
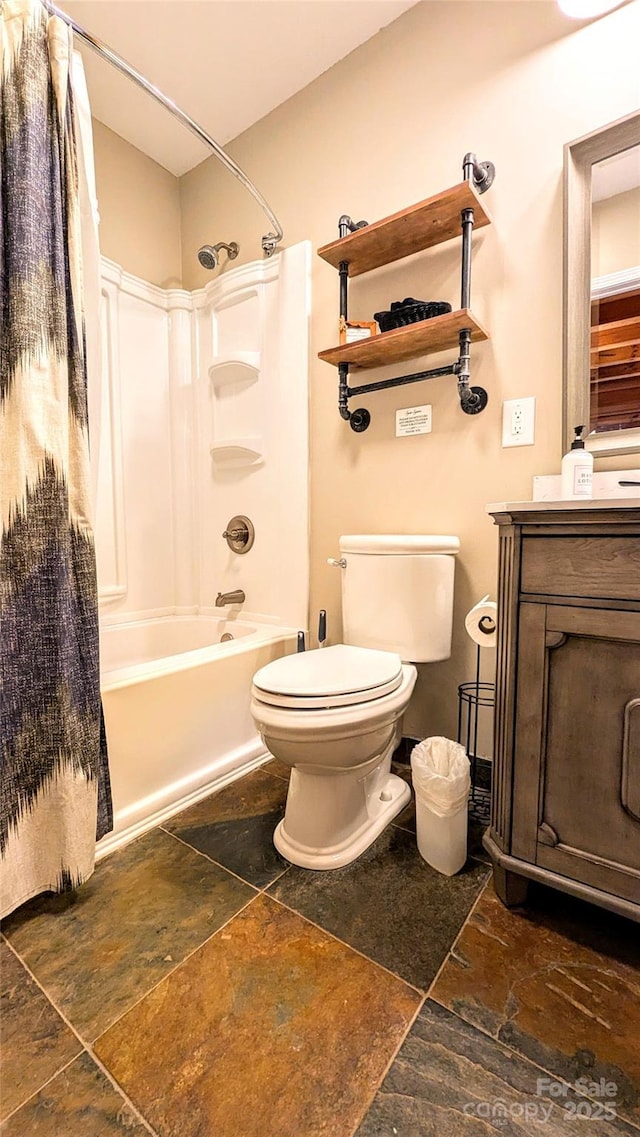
x=338 y=676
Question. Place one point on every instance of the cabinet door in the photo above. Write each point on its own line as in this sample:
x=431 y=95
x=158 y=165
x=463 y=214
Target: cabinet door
x=577 y=745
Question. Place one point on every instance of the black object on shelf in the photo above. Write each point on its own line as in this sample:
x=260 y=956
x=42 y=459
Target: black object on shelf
x=410 y=311
x=476 y=701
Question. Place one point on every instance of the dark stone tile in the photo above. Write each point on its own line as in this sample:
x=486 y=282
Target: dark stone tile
x=450 y=1080
x=558 y=982
x=36 y=1042
x=235 y=826
x=407 y=818
x=585 y=924
x=388 y=904
x=97 y=950
x=278 y=769
x=79 y=1102
x=271 y=1029
x=475 y=848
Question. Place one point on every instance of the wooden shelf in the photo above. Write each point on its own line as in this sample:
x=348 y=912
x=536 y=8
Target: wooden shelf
x=615 y=362
x=418 y=227
x=617 y=333
x=425 y=338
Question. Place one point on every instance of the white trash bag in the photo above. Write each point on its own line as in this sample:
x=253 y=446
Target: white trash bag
x=441 y=780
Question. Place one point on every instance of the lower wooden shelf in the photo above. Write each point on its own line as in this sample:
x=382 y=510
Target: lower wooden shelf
x=424 y=338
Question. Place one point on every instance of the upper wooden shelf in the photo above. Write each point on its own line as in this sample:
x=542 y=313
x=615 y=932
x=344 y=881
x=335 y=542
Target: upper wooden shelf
x=424 y=338
x=418 y=227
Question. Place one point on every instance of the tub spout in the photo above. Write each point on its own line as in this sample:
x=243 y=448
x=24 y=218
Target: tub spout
x=236 y=597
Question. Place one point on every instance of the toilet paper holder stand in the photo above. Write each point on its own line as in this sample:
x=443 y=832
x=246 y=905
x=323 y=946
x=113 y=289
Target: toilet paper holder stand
x=487 y=625
x=476 y=702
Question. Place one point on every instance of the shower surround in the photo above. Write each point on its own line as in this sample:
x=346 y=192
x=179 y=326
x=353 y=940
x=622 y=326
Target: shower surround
x=204 y=416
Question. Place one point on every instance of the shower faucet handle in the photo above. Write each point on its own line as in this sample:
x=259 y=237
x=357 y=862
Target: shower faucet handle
x=239 y=534
x=341 y=563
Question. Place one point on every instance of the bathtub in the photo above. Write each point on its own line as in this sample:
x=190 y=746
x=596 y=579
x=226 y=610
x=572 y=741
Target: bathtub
x=176 y=707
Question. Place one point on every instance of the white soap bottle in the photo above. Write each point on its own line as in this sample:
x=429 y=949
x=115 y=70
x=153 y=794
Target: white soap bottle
x=577 y=470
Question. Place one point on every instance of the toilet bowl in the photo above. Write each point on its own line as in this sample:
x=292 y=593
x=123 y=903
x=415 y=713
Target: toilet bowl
x=334 y=715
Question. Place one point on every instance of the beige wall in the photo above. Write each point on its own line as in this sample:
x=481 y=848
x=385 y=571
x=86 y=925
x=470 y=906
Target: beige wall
x=139 y=204
x=382 y=129
x=615 y=233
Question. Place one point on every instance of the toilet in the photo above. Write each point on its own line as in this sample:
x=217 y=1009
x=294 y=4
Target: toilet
x=334 y=715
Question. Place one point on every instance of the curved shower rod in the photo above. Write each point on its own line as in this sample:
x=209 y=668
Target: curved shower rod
x=270 y=240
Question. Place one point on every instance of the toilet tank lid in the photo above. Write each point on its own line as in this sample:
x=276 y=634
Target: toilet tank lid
x=399 y=543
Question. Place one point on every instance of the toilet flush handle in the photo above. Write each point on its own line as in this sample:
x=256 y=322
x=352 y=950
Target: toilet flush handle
x=336 y=564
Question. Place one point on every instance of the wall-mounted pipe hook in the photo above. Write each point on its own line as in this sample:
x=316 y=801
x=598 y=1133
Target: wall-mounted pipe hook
x=473 y=400
x=359 y=419
x=481 y=174
x=346 y=225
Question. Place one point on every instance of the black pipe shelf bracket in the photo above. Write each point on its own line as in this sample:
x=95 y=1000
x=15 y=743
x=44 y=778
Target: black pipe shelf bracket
x=361 y=247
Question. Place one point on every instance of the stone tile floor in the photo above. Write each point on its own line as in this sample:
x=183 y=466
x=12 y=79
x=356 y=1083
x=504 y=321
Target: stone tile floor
x=199 y=986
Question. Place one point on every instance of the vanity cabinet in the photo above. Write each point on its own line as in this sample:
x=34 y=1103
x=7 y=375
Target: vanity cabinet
x=566 y=794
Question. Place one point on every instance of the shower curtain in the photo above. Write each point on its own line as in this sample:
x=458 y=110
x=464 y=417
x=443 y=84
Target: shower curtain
x=55 y=795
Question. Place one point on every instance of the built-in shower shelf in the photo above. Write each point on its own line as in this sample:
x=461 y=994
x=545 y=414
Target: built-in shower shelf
x=241 y=367
x=237 y=452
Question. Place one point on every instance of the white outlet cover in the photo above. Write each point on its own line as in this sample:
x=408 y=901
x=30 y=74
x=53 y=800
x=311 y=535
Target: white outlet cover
x=525 y=410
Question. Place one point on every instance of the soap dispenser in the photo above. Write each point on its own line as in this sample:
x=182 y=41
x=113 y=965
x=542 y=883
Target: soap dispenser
x=577 y=470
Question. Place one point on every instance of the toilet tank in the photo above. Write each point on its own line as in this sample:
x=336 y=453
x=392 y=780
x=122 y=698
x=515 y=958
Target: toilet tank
x=397 y=594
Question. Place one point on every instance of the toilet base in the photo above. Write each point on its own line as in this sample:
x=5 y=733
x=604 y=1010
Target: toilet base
x=339 y=855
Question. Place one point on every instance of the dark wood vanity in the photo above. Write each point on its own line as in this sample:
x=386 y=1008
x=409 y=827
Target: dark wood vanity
x=566 y=793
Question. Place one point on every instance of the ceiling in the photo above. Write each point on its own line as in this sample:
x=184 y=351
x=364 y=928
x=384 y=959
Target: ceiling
x=226 y=63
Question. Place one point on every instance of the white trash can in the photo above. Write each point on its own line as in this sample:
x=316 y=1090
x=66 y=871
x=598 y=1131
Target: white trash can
x=441 y=780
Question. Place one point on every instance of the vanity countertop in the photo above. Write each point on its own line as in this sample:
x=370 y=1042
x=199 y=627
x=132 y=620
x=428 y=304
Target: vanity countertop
x=563 y=506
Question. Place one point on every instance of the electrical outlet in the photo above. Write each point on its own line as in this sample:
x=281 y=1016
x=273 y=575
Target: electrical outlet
x=518 y=422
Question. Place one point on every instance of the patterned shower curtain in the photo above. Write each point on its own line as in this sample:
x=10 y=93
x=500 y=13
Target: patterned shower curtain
x=55 y=795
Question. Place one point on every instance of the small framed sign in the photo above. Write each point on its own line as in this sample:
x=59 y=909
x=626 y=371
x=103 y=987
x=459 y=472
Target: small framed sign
x=353 y=330
x=413 y=420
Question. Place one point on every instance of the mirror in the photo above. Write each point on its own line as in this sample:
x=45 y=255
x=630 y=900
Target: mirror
x=602 y=287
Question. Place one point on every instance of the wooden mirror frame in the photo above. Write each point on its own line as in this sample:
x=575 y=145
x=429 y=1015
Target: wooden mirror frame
x=579 y=157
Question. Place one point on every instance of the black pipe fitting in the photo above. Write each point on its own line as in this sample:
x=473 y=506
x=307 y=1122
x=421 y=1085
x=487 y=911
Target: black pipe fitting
x=343 y=391
x=481 y=174
x=346 y=225
x=344 y=276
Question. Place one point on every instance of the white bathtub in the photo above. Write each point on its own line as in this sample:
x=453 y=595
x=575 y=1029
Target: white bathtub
x=176 y=706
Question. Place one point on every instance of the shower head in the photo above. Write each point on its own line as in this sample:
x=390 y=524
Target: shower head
x=208 y=255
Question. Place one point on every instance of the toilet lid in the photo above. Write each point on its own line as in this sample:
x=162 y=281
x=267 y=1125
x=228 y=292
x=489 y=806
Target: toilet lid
x=335 y=676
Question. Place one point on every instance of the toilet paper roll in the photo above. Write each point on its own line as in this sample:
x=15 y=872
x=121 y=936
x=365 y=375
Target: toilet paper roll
x=481 y=622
